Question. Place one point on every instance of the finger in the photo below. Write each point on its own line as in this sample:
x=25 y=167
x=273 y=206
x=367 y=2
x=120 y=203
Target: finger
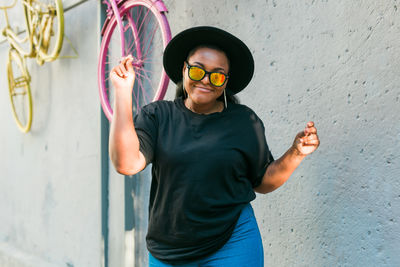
x=122 y=66
x=310 y=128
x=119 y=71
x=309 y=131
x=125 y=59
x=129 y=66
x=312 y=137
x=311 y=142
x=125 y=73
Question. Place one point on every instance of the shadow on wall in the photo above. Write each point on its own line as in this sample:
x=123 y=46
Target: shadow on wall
x=137 y=192
x=42 y=95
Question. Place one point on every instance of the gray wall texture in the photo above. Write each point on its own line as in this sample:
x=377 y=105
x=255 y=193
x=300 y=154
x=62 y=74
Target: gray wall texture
x=50 y=178
x=334 y=62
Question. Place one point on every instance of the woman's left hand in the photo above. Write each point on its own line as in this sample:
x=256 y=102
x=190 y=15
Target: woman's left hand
x=306 y=141
x=279 y=171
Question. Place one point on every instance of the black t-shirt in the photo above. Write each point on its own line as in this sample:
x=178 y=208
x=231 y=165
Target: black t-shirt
x=204 y=170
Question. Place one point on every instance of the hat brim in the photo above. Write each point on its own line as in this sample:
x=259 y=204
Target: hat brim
x=240 y=58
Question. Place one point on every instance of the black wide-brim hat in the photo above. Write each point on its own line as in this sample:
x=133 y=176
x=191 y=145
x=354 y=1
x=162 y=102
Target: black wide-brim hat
x=241 y=67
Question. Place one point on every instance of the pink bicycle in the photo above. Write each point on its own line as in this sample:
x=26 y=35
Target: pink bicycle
x=139 y=28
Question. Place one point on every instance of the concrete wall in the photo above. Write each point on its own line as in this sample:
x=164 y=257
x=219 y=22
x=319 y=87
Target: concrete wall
x=50 y=178
x=334 y=62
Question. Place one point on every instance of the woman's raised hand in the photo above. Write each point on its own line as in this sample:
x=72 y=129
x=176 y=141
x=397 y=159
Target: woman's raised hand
x=306 y=141
x=123 y=76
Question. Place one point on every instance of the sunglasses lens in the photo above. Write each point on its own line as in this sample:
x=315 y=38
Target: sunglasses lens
x=217 y=79
x=196 y=73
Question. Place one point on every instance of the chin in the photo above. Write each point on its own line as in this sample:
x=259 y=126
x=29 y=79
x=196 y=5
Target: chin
x=202 y=99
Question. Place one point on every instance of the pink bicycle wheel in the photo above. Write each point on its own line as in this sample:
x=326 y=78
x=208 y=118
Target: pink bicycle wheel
x=146 y=33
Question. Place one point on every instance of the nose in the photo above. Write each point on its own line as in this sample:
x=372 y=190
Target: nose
x=206 y=79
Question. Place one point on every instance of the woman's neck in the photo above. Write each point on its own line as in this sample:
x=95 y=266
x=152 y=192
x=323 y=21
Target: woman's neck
x=209 y=108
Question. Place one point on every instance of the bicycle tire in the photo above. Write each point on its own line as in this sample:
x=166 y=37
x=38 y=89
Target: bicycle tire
x=49 y=35
x=19 y=91
x=140 y=17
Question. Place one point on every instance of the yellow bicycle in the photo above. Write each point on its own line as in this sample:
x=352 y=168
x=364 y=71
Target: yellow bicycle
x=43 y=41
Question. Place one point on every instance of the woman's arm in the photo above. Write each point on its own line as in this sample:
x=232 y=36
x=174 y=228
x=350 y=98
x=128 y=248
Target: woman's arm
x=279 y=171
x=123 y=142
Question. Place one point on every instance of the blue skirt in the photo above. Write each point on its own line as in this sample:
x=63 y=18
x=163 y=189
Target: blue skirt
x=244 y=248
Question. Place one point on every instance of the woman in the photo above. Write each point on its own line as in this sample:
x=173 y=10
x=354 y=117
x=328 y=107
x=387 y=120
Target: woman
x=208 y=153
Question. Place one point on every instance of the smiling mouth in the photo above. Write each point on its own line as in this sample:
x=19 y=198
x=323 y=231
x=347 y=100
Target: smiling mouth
x=204 y=89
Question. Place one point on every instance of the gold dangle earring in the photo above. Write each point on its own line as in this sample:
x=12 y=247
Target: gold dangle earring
x=225 y=99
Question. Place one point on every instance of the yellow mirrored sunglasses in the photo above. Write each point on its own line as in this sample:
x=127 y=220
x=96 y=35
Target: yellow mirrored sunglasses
x=197 y=74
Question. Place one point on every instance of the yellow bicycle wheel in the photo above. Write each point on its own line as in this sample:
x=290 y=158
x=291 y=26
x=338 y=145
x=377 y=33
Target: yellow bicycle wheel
x=49 y=31
x=19 y=90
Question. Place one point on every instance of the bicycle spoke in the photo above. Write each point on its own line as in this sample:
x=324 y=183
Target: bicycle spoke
x=145 y=55
x=144 y=91
x=144 y=19
x=130 y=44
x=144 y=38
x=146 y=96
